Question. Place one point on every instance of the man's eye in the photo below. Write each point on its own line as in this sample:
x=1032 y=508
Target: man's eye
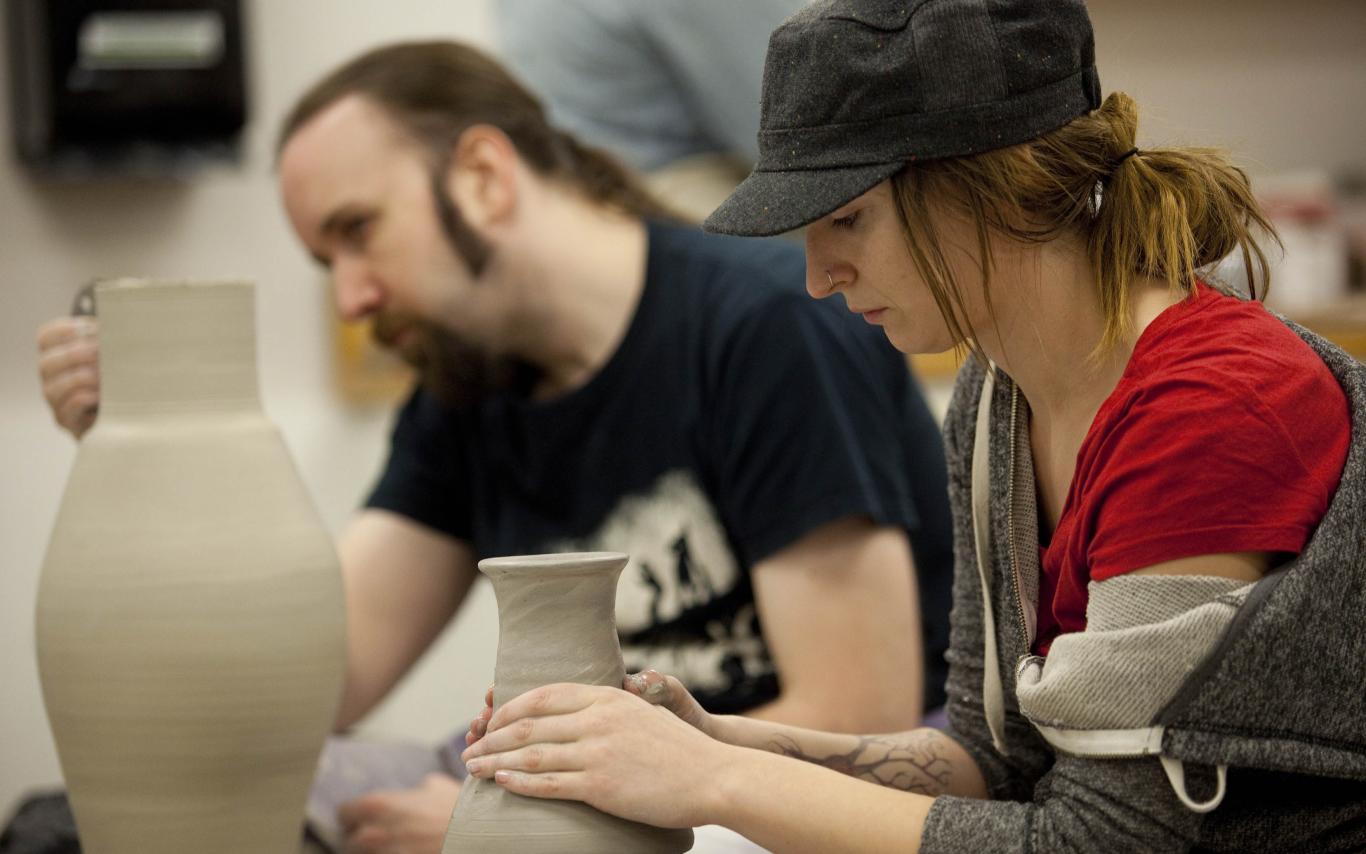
x=355 y=231
x=844 y=221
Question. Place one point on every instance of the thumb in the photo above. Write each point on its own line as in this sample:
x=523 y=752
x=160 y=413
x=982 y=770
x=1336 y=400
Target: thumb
x=649 y=685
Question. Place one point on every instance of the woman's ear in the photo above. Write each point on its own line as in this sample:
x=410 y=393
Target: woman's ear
x=482 y=177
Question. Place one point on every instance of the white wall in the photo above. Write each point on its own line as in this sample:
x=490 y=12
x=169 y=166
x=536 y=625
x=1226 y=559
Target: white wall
x=1283 y=84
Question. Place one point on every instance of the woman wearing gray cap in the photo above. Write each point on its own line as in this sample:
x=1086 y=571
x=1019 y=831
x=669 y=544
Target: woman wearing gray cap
x=1158 y=486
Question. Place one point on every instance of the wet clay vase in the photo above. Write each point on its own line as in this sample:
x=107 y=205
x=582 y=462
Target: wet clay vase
x=556 y=623
x=190 y=624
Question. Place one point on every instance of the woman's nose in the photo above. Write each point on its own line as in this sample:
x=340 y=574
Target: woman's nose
x=819 y=282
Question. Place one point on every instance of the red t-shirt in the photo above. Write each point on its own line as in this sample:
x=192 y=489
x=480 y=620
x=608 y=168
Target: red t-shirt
x=1226 y=433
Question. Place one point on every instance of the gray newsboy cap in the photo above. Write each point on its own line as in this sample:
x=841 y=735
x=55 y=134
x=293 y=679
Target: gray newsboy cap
x=854 y=89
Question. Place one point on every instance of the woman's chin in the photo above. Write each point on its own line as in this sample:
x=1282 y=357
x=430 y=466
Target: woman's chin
x=915 y=345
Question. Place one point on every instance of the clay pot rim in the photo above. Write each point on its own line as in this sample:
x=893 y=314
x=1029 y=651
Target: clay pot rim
x=563 y=564
x=132 y=283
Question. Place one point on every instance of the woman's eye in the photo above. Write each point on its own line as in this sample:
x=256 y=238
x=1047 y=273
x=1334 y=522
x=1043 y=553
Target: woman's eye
x=844 y=221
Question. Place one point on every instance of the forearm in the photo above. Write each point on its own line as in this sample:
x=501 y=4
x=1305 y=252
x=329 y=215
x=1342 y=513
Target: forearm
x=798 y=808
x=367 y=682
x=403 y=583
x=841 y=621
x=894 y=709
x=924 y=761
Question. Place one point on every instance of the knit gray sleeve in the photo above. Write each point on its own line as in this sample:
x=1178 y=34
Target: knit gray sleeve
x=1081 y=805
x=1010 y=777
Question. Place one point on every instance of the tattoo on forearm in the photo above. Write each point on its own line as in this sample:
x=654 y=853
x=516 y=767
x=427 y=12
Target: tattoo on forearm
x=913 y=762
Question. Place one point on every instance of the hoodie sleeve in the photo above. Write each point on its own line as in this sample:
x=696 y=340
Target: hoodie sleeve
x=1009 y=777
x=1080 y=805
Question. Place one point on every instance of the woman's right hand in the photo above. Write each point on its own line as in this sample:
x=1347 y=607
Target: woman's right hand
x=68 y=364
x=650 y=685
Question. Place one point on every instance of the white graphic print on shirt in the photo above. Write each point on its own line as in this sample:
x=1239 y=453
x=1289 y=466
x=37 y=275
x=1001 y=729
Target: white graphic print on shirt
x=679 y=607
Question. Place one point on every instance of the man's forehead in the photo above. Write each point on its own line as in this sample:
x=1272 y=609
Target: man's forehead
x=336 y=155
x=350 y=122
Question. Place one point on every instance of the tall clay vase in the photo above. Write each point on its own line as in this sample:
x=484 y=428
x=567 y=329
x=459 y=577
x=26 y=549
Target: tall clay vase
x=556 y=623
x=190 y=623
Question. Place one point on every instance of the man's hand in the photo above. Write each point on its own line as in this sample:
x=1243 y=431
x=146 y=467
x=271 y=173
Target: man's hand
x=407 y=821
x=68 y=363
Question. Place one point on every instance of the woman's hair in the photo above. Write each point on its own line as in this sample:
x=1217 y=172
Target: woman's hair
x=436 y=90
x=1164 y=213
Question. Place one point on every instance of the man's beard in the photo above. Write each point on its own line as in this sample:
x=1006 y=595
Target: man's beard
x=457 y=372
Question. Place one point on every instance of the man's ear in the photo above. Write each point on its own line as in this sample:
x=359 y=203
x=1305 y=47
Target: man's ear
x=482 y=177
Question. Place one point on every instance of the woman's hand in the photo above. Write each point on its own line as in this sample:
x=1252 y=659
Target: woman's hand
x=68 y=363
x=606 y=747
x=650 y=685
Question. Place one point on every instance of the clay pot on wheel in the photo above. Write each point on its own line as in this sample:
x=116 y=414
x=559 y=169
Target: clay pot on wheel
x=556 y=623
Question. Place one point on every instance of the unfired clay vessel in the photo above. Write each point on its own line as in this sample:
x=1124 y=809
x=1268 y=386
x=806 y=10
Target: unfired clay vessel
x=190 y=622
x=556 y=623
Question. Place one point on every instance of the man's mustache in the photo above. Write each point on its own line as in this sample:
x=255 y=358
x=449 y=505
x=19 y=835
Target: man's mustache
x=456 y=371
x=387 y=327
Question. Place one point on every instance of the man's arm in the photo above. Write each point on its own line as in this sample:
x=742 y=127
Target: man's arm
x=403 y=583
x=841 y=619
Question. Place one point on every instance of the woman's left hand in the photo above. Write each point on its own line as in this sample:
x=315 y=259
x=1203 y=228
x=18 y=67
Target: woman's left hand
x=605 y=747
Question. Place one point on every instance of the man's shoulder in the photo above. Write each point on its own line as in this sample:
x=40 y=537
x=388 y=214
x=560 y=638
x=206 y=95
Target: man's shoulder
x=741 y=251
x=735 y=275
x=746 y=299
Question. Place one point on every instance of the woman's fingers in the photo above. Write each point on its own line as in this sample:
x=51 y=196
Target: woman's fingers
x=535 y=759
x=561 y=699
x=561 y=785
x=525 y=731
x=479 y=726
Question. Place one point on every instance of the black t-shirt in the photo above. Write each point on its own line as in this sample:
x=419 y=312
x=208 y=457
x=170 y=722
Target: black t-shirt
x=736 y=415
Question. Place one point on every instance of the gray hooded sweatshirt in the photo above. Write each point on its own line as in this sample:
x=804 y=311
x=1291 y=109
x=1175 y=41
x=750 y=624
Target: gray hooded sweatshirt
x=1194 y=714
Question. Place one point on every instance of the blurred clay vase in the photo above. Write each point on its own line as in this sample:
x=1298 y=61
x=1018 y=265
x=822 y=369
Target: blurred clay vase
x=556 y=623
x=190 y=620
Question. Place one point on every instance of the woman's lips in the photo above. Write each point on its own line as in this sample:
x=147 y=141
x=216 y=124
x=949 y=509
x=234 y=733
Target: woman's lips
x=874 y=315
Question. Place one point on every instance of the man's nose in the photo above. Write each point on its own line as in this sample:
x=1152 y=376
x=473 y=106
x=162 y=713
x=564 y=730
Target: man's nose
x=357 y=295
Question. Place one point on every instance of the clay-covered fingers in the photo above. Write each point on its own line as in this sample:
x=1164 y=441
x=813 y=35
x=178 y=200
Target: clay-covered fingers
x=649 y=685
x=667 y=692
x=68 y=365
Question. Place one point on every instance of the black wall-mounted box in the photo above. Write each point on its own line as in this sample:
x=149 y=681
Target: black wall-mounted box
x=126 y=85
